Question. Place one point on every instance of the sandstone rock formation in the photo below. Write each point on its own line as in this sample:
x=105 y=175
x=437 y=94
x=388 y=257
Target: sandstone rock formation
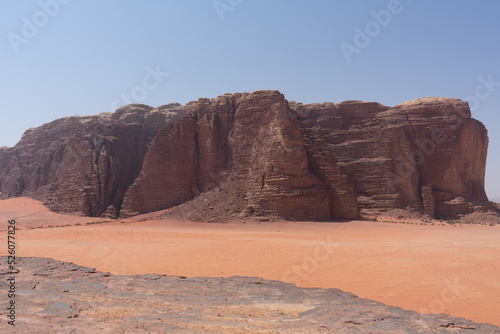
x=427 y=155
x=83 y=164
x=61 y=297
x=255 y=137
x=256 y=154
x=320 y=161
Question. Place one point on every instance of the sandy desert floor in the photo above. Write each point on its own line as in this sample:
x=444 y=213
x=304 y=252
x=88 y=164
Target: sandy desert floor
x=452 y=269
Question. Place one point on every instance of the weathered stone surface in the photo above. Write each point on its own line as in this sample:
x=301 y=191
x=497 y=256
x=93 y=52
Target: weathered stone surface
x=60 y=297
x=263 y=156
x=451 y=148
x=253 y=137
x=367 y=140
x=428 y=200
x=280 y=180
x=406 y=156
x=83 y=164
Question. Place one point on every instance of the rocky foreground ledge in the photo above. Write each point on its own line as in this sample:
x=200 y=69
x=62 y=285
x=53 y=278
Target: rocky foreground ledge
x=60 y=297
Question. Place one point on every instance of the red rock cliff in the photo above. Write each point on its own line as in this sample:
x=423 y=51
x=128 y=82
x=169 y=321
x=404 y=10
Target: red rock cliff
x=258 y=154
x=83 y=164
x=427 y=155
x=251 y=137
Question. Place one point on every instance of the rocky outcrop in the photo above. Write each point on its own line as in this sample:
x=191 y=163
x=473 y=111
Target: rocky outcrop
x=319 y=161
x=253 y=137
x=83 y=164
x=256 y=154
x=427 y=155
x=367 y=139
x=450 y=152
x=54 y=296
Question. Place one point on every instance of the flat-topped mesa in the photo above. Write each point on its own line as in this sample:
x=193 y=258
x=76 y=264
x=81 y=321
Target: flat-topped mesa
x=83 y=164
x=258 y=154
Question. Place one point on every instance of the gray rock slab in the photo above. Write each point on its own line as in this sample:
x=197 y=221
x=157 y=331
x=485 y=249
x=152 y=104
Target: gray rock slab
x=70 y=299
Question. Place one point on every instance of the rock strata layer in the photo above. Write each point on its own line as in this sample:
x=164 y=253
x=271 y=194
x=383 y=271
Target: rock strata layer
x=61 y=297
x=257 y=154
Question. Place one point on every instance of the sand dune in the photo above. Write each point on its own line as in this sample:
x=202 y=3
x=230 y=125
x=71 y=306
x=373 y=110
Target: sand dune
x=430 y=269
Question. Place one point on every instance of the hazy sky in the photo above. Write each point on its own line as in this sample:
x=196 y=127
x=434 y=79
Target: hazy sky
x=74 y=57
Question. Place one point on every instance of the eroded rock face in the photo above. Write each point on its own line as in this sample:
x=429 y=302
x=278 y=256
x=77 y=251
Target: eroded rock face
x=450 y=153
x=83 y=164
x=319 y=161
x=253 y=137
x=427 y=155
x=258 y=154
x=367 y=139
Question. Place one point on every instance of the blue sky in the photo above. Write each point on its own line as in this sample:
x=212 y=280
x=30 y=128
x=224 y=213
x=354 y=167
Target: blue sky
x=83 y=57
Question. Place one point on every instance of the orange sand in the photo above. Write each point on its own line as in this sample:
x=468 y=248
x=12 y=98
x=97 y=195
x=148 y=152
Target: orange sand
x=429 y=269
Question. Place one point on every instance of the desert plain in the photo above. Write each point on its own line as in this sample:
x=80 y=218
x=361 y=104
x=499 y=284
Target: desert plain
x=434 y=267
